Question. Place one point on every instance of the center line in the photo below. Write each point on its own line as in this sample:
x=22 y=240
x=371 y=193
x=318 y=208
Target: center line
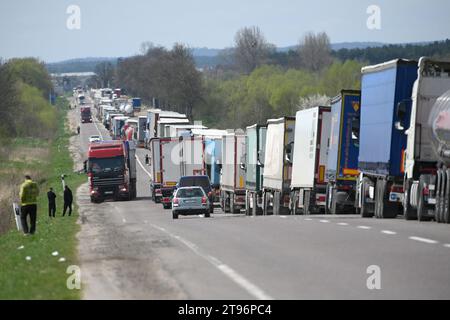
x=424 y=240
x=324 y=221
x=447 y=245
x=364 y=227
x=342 y=224
x=388 y=232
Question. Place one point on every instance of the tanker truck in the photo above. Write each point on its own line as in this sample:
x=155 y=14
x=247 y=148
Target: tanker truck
x=427 y=173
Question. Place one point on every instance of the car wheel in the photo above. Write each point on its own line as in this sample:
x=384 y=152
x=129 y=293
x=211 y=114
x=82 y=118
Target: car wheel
x=207 y=214
x=174 y=215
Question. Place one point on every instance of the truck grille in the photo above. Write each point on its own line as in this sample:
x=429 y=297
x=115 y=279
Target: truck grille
x=105 y=182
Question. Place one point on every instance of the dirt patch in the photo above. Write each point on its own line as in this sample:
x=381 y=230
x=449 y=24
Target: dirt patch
x=26 y=154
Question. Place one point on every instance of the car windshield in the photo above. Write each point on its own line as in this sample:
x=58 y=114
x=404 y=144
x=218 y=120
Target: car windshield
x=196 y=181
x=190 y=193
x=106 y=165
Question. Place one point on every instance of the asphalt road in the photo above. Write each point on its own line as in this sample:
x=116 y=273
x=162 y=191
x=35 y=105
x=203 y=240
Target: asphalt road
x=134 y=250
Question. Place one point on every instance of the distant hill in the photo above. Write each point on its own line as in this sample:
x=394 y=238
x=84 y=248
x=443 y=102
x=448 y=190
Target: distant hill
x=207 y=57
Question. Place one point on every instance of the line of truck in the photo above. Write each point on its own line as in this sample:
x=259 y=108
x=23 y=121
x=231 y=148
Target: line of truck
x=381 y=151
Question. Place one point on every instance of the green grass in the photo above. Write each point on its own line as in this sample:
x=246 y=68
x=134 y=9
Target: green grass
x=44 y=277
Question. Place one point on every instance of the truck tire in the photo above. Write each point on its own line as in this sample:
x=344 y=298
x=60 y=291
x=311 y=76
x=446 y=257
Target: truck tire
x=327 y=198
x=333 y=204
x=234 y=208
x=437 y=210
x=293 y=203
x=383 y=208
x=421 y=206
x=446 y=213
x=276 y=204
x=266 y=206
x=248 y=210
x=256 y=210
x=366 y=211
x=174 y=216
x=226 y=202
x=307 y=203
x=409 y=213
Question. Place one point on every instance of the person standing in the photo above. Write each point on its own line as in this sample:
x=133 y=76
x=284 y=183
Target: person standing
x=147 y=160
x=29 y=192
x=51 y=203
x=68 y=199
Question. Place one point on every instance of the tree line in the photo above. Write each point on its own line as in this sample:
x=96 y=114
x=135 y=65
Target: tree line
x=25 y=110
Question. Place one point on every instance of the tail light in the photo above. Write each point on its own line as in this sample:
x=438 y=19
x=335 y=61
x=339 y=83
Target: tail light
x=426 y=191
x=204 y=200
x=210 y=194
x=176 y=201
x=397 y=189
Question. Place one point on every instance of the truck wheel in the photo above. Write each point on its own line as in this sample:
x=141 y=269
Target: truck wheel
x=266 y=204
x=366 y=211
x=227 y=201
x=174 y=216
x=384 y=209
x=327 y=198
x=446 y=214
x=421 y=205
x=207 y=214
x=248 y=210
x=306 y=208
x=276 y=204
x=409 y=213
x=437 y=210
x=233 y=207
x=256 y=211
x=333 y=208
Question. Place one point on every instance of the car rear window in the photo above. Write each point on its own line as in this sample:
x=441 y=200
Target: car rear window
x=196 y=181
x=190 y=193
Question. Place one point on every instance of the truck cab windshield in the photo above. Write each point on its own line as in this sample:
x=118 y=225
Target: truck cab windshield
x=107 y=165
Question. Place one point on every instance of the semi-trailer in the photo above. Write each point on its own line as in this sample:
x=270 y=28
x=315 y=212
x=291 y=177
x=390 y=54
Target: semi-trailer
x=255 y=145
x=385 y=109
x=309 y=165
x=277 y=175
x=343 y=152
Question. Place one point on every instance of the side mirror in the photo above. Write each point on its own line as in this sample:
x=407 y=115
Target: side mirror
x=243 y=167
x=355 y=129
x=85 y=166
x=288 y=150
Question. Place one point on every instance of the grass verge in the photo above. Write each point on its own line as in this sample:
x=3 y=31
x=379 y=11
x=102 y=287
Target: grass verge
x=44 y=277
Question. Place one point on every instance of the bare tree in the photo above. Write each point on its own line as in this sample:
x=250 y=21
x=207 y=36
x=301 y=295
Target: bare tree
x=315 y=51
x=313 y=101
x=105 y=73
x=251 y=48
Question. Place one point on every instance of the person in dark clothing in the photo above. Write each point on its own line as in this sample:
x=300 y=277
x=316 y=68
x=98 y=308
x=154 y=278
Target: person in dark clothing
x=29 y=191
x=146 y=159
x=68 y=199
x=51 y=203
x=78 y=130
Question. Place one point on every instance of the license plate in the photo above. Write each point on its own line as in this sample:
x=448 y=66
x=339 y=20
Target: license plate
x=396 y=197
x=109 y=192
x=431 y=201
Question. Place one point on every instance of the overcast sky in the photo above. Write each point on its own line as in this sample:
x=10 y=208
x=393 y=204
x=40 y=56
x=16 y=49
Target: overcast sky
x=111 y=28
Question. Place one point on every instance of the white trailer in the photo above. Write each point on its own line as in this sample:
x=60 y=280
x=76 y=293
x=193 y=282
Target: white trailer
x=175 y=130
x=232 y=180
x=278 y=165
x=162 y=122
x=309 y=181
x=192 y=156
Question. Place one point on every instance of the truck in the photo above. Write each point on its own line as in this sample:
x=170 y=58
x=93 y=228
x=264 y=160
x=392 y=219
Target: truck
x=427 y=178
x=309 y=165
x=142 y=123
x=130 y=130
x=163 y=122
x=86 y=116
x=153 y=116
x=278 y=165
x=137 y=104
x=117 y=124
x=165 y=169
x=343 y=152
x=385 y=106
x=232 y=180
x=111 y=169
x=255 y=144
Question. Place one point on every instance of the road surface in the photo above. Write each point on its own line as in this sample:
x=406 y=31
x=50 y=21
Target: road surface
x=134 y=250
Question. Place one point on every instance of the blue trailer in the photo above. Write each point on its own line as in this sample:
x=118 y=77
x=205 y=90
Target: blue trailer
x=385 y=109
x=343 y=152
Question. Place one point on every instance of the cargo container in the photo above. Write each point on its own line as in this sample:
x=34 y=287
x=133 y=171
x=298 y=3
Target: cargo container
x=162 y=122
x=232 y=181
x=278 y=165
x=309 y=165
x=385 y=105
x=142 y=125
x=427 y=178
x=343 y=152
x=255 y=145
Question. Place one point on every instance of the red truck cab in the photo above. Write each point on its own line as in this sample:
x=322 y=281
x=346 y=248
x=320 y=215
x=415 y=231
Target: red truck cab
x=86 y=116
x=112 y=170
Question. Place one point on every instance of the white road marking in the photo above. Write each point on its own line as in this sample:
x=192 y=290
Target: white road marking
x=98 y=130
x=283 y=217
x=447 y=245
x=364 y=227
x=342 y=224
x=229 y=272
x=325 y=221
x=424 y=240
x=143 y=168
x=124 y=220
x=388 y=232
x=308 y=219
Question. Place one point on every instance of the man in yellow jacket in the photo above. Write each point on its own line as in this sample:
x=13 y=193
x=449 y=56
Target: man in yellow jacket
x=29 y=192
